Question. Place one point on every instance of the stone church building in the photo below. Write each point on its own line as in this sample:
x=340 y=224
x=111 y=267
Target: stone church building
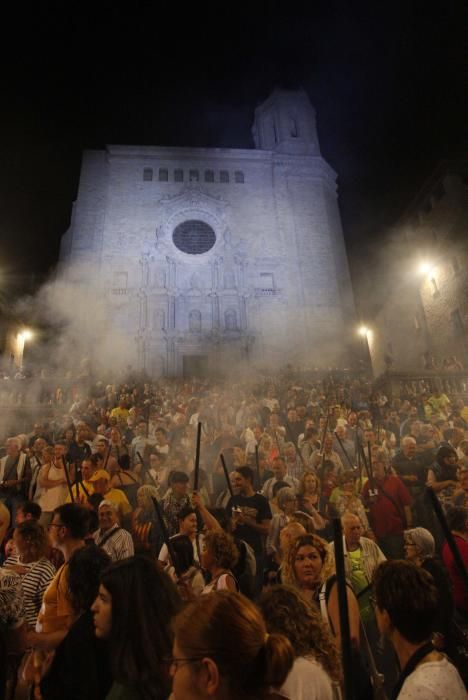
x=209 y=258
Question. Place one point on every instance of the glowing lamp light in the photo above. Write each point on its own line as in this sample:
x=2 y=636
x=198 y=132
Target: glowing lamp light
x=26 y=334
x=425 y=268
x=363 y=330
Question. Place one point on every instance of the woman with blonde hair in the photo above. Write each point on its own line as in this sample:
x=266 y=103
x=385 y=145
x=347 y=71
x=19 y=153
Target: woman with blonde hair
x=222 y=651
x=309 y=567
x=316 y=674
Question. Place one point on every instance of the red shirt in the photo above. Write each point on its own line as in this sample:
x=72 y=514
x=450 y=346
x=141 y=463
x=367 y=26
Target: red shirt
x=385 y=517
x=460 y=594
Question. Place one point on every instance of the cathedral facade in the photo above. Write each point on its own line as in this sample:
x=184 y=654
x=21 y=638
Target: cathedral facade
x=208 y=258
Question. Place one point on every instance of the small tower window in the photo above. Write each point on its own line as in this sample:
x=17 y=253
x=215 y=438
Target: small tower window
x=275 y=135
x=209 y=176
x=223 y=176
x=194 y=175
x=147 y=174
x=293 y=128
x=239 y=176
x=178 y=175
x=267 y=281
x=163 y=175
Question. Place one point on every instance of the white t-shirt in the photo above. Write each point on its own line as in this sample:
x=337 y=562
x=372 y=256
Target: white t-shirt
x=308 y=680
x=52 y=498
x=164 y=554
x=434 y=680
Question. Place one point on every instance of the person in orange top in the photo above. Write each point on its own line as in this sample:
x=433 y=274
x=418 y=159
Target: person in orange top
x=67 y=531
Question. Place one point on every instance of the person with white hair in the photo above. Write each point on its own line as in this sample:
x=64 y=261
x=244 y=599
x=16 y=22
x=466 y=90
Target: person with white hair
x=110 y=536
x=15 y=475
x=420 y=550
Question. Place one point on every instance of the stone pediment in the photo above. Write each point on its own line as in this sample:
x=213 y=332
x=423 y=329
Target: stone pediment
x=193 y=198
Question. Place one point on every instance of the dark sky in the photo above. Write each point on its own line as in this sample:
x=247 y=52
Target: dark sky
x=387 y=79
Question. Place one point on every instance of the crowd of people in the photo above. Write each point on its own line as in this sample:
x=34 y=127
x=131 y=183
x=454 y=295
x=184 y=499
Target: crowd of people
x=176 y=539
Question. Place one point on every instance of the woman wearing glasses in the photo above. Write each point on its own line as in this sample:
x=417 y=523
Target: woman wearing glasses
x=222 y=651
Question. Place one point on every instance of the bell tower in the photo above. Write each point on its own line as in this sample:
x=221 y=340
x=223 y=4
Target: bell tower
x=286 y=123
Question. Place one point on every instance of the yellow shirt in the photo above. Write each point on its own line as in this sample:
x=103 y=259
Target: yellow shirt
x=4 y=520
x=120 y=499
x=82 y=497
x=120 y=413
x=56 y=612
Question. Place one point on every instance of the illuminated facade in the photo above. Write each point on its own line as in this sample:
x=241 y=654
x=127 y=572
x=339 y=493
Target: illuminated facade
x=426 y=312
x=208 y=257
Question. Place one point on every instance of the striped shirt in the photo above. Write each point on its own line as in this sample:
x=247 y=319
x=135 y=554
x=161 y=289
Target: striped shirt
x=118 y=545
x=34 y=584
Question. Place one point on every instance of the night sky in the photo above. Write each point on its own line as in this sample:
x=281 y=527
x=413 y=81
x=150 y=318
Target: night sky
x=388 y=81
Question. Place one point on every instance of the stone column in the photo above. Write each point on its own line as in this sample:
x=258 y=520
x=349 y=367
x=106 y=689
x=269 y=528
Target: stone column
x=243 y=313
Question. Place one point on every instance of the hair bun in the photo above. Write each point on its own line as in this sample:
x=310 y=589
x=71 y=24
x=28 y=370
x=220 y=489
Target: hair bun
x=279 y=658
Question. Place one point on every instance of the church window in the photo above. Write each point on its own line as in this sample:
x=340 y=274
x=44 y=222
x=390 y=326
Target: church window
x=147 y=174
x=158 y=320
x=239 y=176
x=267 y=281
x=224 y=176
x=457 y=323
x=435 y=288
x=293 y=128
x=178 y=175
x=230 y=320
x=194 y=237
x=229 y=280
x=163 y=175
x=195 y=321
x=209 y=176
x=194 y=175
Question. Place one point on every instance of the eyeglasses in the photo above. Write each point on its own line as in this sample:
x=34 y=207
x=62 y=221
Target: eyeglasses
x=175 y=662
x=55 y=525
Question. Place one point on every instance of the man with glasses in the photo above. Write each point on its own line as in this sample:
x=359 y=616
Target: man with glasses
x=67 y=532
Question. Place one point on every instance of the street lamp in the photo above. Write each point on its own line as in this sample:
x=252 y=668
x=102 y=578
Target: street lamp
x=425 y=268
x=366 y=333
x=25 y=335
